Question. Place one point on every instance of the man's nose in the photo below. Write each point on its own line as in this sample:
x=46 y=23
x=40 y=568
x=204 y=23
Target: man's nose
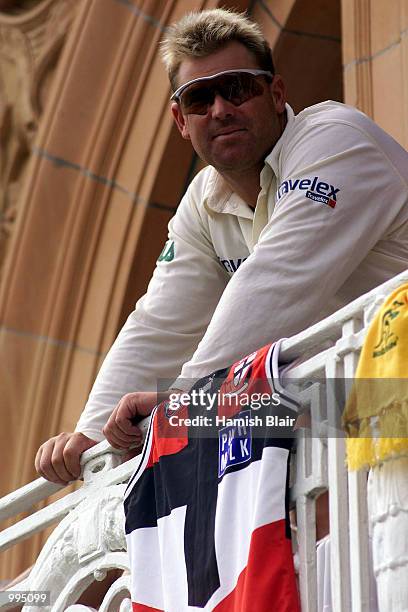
x=221 y=108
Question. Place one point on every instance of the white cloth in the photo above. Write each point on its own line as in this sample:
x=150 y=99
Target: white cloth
x=232 y=279
x=324 y=599
x=388 y=522
x=324 y=594
x=80 y=608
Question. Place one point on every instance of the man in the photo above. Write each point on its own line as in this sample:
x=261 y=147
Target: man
x=293 y=218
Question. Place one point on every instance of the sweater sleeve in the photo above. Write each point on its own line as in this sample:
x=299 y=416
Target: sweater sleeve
x=168 y=321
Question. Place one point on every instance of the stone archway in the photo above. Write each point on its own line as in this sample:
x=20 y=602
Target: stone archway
x=91 y=212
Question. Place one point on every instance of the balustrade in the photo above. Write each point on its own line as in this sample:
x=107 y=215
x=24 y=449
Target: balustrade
x=89 y=538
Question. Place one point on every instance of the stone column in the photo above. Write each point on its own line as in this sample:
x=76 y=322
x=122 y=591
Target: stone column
x=375 y=59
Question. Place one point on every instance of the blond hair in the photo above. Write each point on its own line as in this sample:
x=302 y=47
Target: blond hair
x=198 y=34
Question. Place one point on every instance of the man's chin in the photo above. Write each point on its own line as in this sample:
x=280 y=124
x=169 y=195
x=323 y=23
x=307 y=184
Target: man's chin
x=232 y=161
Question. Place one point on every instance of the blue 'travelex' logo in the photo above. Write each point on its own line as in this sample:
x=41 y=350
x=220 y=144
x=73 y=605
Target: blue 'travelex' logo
x=314 y=189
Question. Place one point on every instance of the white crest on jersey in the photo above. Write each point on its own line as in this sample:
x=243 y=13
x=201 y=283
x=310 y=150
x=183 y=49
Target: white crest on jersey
x=241 y=369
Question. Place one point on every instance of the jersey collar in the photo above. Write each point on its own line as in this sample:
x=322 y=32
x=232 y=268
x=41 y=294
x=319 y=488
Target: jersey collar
x=273 y=158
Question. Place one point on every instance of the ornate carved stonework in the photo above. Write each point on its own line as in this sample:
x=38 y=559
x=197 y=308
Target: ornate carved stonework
x=32 y=33
x=82 y=548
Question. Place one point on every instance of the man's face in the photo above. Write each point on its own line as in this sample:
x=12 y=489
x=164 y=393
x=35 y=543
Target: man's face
x=229 y=137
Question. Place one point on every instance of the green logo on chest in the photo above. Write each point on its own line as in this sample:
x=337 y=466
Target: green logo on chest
x=167 y=253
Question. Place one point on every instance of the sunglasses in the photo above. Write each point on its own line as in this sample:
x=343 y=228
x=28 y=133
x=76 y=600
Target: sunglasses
x=236 y=86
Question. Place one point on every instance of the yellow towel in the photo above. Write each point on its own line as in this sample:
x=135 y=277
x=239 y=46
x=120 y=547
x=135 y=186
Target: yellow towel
x=376 y=415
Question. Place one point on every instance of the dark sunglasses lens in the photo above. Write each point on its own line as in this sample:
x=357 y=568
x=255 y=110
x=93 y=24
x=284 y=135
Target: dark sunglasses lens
x=235 y=88
x=195 y=99
x=238 y=88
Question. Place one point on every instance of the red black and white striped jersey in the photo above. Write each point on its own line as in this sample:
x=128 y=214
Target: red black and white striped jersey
x=207 y=508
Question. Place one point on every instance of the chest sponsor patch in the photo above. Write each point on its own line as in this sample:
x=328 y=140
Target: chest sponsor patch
x=314 y=189
x=234 y=442
x=232 y=265
x=168 y=252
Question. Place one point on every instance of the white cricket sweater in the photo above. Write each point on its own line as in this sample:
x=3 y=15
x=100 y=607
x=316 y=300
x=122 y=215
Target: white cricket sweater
x=331 y=223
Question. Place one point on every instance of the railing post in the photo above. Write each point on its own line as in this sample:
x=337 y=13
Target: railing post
x=311 y=479
x=357 y=485
x=339 y=543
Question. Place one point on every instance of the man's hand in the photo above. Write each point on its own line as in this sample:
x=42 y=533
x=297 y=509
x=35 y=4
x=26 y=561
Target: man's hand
x=121 y=430
x=57 y=459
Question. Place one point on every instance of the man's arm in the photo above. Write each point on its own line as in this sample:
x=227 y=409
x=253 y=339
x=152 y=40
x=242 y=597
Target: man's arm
x=308 y=249
x=159 y=336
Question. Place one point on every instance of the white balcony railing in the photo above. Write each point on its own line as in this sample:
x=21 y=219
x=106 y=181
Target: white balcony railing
x=89 y=539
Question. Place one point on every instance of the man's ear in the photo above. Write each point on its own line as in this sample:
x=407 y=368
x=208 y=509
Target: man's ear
x=278 y=91
x=180 y=120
